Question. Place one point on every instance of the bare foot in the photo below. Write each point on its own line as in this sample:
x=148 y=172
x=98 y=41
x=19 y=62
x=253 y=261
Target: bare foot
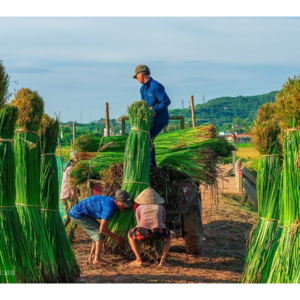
x=163 y=264
x=90 y=259
x=136 y=263
x=100 y=262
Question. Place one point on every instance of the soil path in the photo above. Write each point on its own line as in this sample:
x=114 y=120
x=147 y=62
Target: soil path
x=226 y=227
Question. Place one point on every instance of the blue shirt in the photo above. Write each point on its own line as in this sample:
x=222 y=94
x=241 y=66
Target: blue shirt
x=97 y=207
x=154 y=94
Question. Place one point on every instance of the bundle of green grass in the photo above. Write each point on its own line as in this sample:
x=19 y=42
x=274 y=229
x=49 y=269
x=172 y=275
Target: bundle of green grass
x=136 y=167
x=95 y=143
x=259 y=255
x=285 y=266
x=197 y=161
x=164 y=142
x=5 y=258
x=27 y=166
x=15 y=240
x=68 y=268
x=89 y=169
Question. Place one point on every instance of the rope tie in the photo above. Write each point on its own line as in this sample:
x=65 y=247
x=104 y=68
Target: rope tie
x=25 y=130
x=45 y=154
x=147 y=132
x=7 y=207
x=136 y=182
x=294 y=226
x=27 y=205
x=105 y=146
x=292 y=129
x=266 y=219
x=100 y=144
x=6 y=140
x=30 y=144
x=48 y=209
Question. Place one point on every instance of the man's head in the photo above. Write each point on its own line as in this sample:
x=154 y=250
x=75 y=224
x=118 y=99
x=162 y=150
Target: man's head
x=141 y=73
x=122 y=200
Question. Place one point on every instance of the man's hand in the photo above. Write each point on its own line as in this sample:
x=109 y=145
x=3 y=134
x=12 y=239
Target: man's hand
x=153 y=112
x=104 y=229
x=120 y=241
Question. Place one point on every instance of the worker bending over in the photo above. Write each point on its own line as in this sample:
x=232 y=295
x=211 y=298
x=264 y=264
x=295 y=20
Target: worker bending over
x=154 y=94
x=150 y=216
x=86 y=213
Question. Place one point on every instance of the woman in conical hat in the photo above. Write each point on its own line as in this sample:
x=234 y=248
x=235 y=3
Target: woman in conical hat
x=150 y=216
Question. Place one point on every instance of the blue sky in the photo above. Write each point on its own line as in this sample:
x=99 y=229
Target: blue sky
x=78 y=64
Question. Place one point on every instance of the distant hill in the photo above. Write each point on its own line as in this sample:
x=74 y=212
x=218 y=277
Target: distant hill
x=225 y=109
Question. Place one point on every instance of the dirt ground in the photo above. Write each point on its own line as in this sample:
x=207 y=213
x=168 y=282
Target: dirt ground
x=226 y=227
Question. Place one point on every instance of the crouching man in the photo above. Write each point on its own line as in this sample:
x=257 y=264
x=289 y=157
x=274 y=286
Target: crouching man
x=150 y=216
x=86 y=212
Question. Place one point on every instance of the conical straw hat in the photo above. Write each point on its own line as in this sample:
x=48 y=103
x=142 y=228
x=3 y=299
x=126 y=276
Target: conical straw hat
x=149 y=196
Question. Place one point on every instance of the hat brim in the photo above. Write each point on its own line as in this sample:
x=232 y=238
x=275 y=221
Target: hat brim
x=134 y=76
x=127 y=204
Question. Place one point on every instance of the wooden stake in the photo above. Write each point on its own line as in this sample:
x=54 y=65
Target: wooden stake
x=74 y=131
x=107 y=118
x=61 y=161
x=193 y=111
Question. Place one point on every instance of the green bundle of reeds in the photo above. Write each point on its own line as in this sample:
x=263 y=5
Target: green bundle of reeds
x=200 y=166
x=68 y=268
x=136 y=166
x=197 y=162
x=84 y=170
x=17 y=244
x=184 y=138
x=94 y=143
x=217 y=144
x=259 y=255
x=27 y=166
x=163 y=142
x=285 y=264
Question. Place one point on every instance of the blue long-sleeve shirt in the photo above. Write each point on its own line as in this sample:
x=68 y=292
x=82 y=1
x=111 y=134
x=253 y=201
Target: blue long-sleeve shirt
x=154 y=94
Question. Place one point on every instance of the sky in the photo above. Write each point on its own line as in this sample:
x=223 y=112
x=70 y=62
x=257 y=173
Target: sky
x=78 y=63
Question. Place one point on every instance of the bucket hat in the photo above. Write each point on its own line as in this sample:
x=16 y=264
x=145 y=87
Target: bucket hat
x=123 y=197
x=140 y=68
x=149 y=196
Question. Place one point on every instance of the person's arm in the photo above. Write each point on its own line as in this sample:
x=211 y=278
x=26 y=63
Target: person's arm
x=163 y=99
x=104 y=229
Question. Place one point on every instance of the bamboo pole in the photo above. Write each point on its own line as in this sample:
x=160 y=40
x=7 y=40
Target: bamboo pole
x=193 y=111
x=107 y=118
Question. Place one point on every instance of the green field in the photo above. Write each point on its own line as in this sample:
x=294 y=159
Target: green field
x=65 y=152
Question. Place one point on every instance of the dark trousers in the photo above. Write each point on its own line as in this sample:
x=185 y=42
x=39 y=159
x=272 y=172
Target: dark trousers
x=156 y=128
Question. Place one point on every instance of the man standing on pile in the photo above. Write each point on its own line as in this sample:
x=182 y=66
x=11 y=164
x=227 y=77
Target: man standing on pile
x=154 y=94
x=88 y=211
